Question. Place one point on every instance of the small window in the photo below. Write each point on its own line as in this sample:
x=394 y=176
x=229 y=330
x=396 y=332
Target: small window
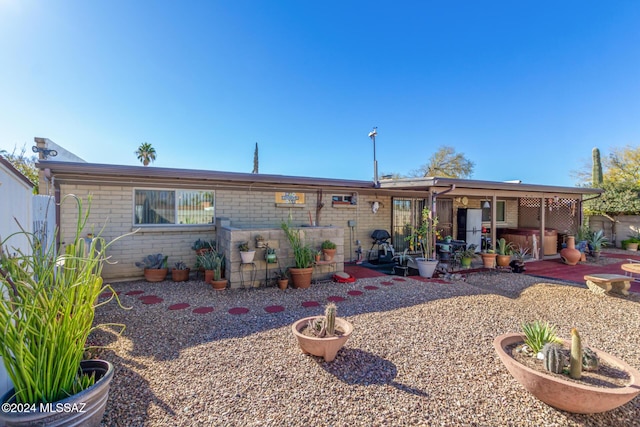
x=344 y=199
x=500 y=212
x=173 y=207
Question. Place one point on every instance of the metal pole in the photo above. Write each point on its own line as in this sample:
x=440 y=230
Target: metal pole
x=372 y=135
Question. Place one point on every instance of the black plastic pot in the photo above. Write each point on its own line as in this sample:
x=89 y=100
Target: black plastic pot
x=83 y=409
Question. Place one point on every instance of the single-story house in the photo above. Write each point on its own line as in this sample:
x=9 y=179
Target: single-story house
x=171 y=208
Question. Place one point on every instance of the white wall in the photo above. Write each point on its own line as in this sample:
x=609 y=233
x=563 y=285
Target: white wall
x=15 y=204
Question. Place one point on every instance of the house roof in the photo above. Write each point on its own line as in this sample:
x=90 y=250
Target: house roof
x=6 y=163
x=141 y=175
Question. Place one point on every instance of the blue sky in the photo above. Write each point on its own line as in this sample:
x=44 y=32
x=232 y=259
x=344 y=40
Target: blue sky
x=524 y=89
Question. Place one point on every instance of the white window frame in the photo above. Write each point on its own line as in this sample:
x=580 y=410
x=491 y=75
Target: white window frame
x=175 y=207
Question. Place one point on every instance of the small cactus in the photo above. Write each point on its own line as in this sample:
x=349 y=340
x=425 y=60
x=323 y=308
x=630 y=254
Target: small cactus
x=330 y=316
x=575 y=361
x=554 y=359
x=589 y=360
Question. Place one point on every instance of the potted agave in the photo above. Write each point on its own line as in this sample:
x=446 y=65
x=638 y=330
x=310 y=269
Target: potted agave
x=505 y=249
x=212 y=262
x=329 y=250
x=47 y=313
x=552 y=370
x=180 y=272
x=324 y=335
x=155 y=267
x=424 y=237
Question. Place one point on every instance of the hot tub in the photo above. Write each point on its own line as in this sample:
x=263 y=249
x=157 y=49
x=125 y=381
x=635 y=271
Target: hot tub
x=524 y=237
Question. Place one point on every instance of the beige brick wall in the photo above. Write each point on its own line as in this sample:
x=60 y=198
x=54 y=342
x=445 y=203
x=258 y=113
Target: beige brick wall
x=112 y=208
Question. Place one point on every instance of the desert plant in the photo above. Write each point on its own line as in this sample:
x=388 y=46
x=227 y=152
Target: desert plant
x=469 y=252
x=324 y=326
x=597 y=240
x=155 y=261
x=180 y=265
x=403 y=258
x=203 y=244
x=47 y=312
x=303 y=254
x=583 y=233
x=575 y=360
x=520 y=253
x=328 y=244
x=553 y=357
x=537 y=334
x=504 y=248
x=243 y=247
x=590 y=360
x=281 y=273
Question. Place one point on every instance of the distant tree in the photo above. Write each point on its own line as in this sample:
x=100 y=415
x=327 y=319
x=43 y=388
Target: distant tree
x=446 y=163
x=23 y=163
x=623 y=165
x=146 y=153
x=255 y=160
x=596 y=170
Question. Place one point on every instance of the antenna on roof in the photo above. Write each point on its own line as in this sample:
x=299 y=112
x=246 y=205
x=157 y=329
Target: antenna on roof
x=372 y=135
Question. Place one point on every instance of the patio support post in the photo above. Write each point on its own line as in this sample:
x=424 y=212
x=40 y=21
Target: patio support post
x=494 y=210
x=543 y=215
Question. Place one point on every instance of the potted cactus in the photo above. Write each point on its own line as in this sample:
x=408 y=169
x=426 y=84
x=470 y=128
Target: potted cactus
x=155 y=267
x=180 y=272
x=552 y=369
x=246 y=254
x=324 y=335
x=504 y=253
x=212 y=262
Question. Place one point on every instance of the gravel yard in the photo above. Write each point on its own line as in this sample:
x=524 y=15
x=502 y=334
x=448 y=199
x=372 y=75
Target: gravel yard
x=421 y=354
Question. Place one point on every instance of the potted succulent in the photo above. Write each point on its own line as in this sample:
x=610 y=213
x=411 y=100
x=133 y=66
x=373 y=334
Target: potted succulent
x=402 y=261
x=202 y=245
x=47 y=313
x=212 y=262
x=260 y=242
x=465 y=256
x=270 y=255
x=505 y=249
x=282 y=277
x=597 y=240
x=180 y=272
x=424 y=237
x=246 y=254
x=155 y=267
x=324 y=335
x=552 y=370
x=303 y=254
x=329 y=250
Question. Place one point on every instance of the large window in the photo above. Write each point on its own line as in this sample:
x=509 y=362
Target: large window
x=173 y=207
x=500 y=212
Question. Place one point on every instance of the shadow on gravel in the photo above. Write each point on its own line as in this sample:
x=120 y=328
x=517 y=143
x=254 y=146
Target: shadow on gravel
x=358 y=367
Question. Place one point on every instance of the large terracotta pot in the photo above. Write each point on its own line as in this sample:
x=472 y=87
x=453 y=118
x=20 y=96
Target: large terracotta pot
x=570 y=255
x=568 y=395
x=155 y=274
x=326 y=347
x=503 y=260
x=92 y=401
x=489 y=260
x=301 y=277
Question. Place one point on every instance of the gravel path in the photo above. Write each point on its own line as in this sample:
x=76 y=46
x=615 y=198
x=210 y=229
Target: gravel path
x=421 y=354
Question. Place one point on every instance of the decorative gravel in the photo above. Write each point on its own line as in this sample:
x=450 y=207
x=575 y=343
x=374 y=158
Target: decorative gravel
x=421 y=354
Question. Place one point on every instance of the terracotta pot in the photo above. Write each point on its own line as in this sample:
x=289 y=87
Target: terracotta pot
x=208 y=276
x=323 y=347
x=219 y=285
x=489 y=260
x=568 y=395
x=180 y=275
x=570 y=255
x=155 y=274
x=329 y=254
x=301 y=277
x=632 y=246
x=93 y=401
x=283 y=283
x=503 y=260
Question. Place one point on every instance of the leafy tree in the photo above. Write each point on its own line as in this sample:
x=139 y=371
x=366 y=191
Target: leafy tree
x=146 y=153
x=446 y=163
x=623 y=166
x=23 y=163
x=617 y=199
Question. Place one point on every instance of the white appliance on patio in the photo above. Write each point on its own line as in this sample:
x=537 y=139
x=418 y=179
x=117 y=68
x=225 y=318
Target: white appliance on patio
x=470 y=227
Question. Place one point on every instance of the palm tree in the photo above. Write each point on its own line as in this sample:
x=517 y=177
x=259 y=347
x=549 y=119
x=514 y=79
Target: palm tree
x=146 y=153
